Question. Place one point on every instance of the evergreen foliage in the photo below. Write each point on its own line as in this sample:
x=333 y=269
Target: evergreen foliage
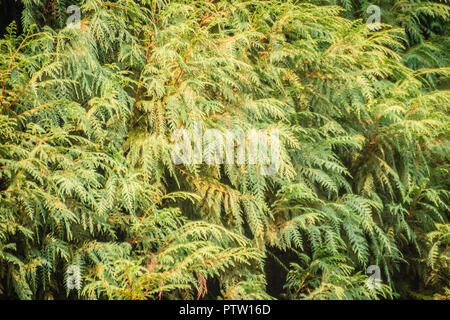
x=86 y=125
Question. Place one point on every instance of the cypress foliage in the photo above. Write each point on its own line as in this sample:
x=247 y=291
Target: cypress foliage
x=87 y=125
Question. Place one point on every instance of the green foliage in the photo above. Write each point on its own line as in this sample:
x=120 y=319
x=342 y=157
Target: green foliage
x=86 y=175
x=327 y=276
